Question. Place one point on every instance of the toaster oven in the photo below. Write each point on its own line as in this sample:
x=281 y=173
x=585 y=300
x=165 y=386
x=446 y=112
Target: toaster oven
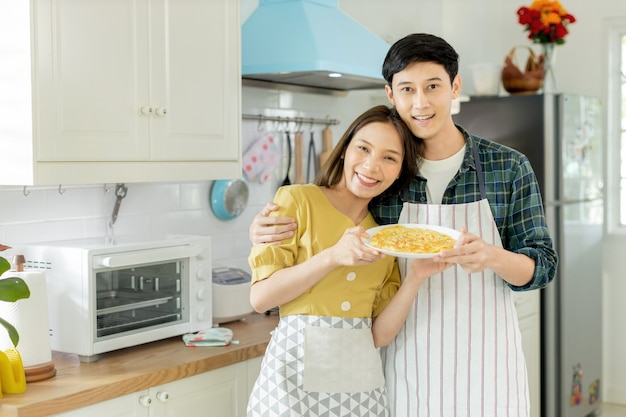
x=103 y=296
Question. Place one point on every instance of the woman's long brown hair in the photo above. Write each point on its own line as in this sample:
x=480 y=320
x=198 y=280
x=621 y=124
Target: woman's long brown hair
x=331 y=172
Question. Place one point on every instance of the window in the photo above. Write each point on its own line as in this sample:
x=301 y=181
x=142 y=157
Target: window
x=616 y=138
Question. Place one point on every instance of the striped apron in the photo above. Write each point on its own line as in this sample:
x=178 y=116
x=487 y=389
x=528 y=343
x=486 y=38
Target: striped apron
x=459 y=352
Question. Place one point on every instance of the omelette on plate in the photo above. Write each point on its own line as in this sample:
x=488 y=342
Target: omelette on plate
x=406 y=239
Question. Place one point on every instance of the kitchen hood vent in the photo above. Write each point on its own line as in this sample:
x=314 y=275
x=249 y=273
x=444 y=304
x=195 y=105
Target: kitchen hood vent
x=310 y=43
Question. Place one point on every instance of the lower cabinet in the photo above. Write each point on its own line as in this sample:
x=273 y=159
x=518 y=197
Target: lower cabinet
x=254 y=367
x=222 y=392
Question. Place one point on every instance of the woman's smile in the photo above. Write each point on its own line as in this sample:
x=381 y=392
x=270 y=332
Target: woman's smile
x=367 y=181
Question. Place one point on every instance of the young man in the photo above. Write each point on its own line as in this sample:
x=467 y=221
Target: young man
x=459 y=352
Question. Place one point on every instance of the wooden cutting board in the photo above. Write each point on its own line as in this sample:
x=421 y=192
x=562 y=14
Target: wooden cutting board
x=299 y=153
x=327 y=145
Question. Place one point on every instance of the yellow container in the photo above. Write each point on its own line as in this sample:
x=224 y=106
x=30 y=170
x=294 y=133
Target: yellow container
x=12 y=376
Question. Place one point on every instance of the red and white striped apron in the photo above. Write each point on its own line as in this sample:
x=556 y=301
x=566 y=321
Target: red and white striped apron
x=459 y=352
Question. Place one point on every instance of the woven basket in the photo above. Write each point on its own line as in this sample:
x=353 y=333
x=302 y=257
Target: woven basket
x=530 y=80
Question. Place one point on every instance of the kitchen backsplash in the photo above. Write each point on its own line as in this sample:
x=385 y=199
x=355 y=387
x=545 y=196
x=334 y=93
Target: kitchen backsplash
x=148 y=210
x=39 y=214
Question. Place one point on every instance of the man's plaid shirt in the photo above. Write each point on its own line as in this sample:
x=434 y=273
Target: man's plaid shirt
x=514 y=196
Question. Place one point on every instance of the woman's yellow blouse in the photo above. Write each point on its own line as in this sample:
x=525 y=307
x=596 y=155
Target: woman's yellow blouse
x=348 y=291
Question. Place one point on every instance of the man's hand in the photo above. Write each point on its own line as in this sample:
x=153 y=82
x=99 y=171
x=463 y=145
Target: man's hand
x=270 y=230
x=471 y=252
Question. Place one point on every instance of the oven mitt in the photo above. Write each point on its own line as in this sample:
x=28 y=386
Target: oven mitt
x=215 y=336
x=260 y=159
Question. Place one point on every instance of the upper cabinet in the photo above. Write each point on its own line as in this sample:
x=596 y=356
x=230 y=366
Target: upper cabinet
x=119 y=91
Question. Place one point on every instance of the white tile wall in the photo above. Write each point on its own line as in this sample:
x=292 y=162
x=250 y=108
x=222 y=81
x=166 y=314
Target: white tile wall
x=153 y=210
x=157 y=209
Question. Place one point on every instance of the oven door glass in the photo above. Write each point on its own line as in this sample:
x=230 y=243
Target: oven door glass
x=141 y=297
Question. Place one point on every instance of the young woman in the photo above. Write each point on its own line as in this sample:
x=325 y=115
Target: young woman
x=339 y=299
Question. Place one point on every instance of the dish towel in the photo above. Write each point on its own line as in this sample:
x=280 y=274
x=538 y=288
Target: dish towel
x=260 y=159
x=215 y=336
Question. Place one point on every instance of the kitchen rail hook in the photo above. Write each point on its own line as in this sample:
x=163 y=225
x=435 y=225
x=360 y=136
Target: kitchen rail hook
x=260 y=126
x=61 y=190
x=26 y=192
x=277 y=124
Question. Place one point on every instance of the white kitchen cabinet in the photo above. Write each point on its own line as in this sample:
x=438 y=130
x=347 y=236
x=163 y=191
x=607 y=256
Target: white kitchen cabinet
x=253 y=369
x=220 y=392
x=124 y=406
x=527 y=304
x=120 y=91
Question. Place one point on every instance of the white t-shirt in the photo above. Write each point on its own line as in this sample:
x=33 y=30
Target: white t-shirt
x=439 y=173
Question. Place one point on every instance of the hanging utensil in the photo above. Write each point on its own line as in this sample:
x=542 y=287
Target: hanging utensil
x=327 y=145
x=298 y=154
x=120 y=193
x=286 y=181
x=311 y=160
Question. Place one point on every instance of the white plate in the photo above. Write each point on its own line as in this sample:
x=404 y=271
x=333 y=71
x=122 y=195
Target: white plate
x=454 y=234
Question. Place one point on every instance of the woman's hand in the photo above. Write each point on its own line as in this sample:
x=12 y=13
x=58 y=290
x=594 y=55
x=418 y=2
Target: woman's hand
x=288 y=283
x=270 y=230
x=421 y=268
x=350 y=250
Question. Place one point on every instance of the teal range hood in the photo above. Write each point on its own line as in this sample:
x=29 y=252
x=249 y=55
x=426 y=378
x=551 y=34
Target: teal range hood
x=310 y=43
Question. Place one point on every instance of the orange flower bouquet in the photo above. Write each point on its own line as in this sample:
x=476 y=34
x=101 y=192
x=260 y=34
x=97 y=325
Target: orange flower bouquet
x=546 y=21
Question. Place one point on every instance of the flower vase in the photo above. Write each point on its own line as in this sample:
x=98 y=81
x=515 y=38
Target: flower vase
x=549 y=80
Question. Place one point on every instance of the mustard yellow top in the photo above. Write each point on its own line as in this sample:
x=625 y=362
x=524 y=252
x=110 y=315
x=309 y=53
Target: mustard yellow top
x=348 y=291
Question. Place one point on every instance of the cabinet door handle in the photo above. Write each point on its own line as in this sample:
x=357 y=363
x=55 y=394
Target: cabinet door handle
x=163 y=396
x=160 y=112
x=145 y=400
x=146 y=111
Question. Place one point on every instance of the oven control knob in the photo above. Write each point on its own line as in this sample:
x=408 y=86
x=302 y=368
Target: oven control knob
x=203 y=274
x=202 y=294
x=204 y=314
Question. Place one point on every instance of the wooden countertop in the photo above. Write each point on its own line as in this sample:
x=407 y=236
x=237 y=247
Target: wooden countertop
x=129 y=370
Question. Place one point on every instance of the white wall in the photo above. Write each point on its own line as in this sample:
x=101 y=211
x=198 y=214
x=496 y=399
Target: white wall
x=480 y=30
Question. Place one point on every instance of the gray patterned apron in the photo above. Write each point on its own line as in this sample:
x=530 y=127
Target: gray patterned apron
x=320 y=366
x=459 y=352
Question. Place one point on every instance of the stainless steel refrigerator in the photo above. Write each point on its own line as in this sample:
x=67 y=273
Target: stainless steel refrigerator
x=562 y=135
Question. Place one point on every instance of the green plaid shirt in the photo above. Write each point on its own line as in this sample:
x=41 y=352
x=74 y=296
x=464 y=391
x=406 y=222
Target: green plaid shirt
x=514 y=196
